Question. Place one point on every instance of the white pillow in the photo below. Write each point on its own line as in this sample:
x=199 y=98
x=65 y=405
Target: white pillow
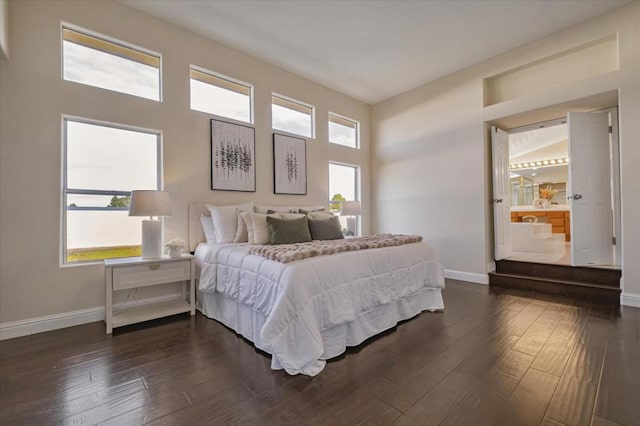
x=207 y=227
x=225 y=220
x=263 y=208
x=257 y=226
x=289 y=216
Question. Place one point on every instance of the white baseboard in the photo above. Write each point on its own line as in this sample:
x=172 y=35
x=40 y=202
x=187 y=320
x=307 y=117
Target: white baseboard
x=630 y=299
x=9 y=330
x=466 y=276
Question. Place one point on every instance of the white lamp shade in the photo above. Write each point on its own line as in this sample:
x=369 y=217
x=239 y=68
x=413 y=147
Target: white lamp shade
x=150 y=203
x=350 y=208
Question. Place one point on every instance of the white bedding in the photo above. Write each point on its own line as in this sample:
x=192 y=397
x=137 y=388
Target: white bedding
x=295 y=306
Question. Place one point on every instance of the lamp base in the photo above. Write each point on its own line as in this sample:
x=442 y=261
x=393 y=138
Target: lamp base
x=151 y=239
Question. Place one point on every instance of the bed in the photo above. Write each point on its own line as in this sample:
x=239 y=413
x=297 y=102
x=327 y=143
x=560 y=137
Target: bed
x=307 y=311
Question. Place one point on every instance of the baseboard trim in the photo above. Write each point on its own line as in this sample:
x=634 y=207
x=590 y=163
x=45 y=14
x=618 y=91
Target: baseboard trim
x=466 y=276
x=27 y=327
x=630 y=299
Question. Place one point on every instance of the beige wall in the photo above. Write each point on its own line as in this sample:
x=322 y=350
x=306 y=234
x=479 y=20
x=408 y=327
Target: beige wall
x=34 y=98
x=431 y=155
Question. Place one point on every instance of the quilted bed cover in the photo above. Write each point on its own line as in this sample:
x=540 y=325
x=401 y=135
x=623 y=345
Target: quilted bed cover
x=302 y=298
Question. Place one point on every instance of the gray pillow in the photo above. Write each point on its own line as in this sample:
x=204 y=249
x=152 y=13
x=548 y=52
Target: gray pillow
x=326 y=229
x=290 y=231
x=311 y=209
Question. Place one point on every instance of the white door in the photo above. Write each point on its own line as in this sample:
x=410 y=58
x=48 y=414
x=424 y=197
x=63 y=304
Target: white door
x=590 y=183
x=501 y=196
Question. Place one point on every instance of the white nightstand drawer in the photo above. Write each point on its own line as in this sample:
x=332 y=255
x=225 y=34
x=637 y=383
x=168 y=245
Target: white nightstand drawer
x=151 y=274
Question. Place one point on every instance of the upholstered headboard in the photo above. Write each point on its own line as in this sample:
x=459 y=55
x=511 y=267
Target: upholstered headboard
x=196 y=234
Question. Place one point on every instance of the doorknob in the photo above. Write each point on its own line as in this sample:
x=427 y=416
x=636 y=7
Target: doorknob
x=574 y=197
x=496 y=200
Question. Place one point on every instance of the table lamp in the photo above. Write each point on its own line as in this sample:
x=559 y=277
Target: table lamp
x=150 y=203
x=350 y=208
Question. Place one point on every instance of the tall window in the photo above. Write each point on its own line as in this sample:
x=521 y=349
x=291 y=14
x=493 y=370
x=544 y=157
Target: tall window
x=291 y=116
x=111 y=65
x=343 y=131
x=344 y=185
x=102 y=165
x=220 y=95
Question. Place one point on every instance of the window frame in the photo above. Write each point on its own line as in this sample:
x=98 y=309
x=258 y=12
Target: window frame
x=357 y=188
x=287 y=99
x=347 y=119
x=118 y=43
x=65 y=191
x=231 y=80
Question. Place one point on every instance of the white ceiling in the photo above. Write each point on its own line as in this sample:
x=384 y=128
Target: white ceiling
x=533 y=142
x=373 y=50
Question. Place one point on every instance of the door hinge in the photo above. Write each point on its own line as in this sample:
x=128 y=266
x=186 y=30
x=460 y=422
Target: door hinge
x=610 y=129
x=613 y=241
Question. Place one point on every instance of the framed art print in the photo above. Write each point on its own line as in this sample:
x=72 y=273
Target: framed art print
x=233 y=158
x=289 y=165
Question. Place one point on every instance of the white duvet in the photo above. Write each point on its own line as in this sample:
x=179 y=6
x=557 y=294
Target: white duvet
x=302 y=298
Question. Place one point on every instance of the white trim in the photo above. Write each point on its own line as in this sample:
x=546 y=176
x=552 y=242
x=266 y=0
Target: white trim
x=466 y=276
x=357 y=123
x=10 y=330
x=232 y=80
x=630 y=299
x=295 y=101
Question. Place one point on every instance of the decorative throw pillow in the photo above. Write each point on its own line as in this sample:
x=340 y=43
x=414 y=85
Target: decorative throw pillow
x=326 y=229
x=288 y=231
x=225 y=220
x=207 y=227
x=257 y=228
x=242 y=234
x=309 y=209
x=247 y=222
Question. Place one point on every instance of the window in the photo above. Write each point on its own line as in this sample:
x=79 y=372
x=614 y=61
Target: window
x=344 y=185
x=102 y=163
x=109 y=65
x=291 y=116
x=343 y=131
x=220 y=96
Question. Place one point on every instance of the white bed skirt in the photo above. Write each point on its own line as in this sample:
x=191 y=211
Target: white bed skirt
x=249 y=322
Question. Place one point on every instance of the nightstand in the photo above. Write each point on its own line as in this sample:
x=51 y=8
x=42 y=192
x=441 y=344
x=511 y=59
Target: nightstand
x=135 y=272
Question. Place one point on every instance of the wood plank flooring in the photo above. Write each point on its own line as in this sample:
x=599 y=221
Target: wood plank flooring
x=502 y=357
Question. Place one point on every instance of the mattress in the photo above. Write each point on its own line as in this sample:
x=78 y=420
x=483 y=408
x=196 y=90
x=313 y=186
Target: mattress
x=307 y=311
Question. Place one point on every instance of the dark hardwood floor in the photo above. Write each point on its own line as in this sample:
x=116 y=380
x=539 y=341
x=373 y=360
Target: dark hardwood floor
x=492 y=358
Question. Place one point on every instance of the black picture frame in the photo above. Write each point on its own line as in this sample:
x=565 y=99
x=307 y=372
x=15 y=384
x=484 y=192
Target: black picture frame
x=289 y=165
x=233 y=156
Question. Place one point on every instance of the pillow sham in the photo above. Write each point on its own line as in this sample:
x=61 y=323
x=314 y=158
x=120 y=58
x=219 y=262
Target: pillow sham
x=225 y=220
x=257 y=229
x=288 y=231
x=326 y=229
x=207 y=227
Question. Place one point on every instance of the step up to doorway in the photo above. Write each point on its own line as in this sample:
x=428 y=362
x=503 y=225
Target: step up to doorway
x=601 y=284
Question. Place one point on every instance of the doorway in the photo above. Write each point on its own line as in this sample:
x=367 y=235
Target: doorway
x=538 y=181
x=556 y=191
